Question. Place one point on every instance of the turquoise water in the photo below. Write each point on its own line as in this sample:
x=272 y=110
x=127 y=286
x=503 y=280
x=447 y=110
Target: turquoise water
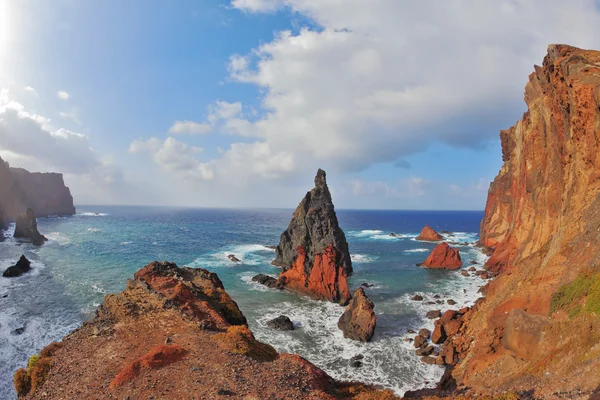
x=96 y=251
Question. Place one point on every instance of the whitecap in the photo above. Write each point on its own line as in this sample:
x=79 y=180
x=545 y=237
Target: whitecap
x=125 y=243
x=94 y=230
x=90 y=214
x=362 y=258
x=248 y=254
x=417 y=251
x=58 y=237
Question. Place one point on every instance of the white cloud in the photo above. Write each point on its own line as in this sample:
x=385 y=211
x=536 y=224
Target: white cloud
x=30 y=90
x=61 y=94
x=383 y=79
x=175 y=157
x=70 y=115
x=30 y=135
x=223 y=110
x=190 y=128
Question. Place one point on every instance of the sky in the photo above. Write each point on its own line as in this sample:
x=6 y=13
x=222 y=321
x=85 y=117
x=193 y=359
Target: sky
x=237 y=103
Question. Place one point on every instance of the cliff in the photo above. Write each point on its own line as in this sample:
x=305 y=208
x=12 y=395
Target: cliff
x=174 y=333
x=45 y=193
x=538 y=329
x=313 y=250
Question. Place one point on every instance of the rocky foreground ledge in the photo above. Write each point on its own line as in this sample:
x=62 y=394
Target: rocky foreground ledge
x=174 y=333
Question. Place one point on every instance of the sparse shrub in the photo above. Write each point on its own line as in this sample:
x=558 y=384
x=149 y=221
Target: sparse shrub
x=32 y=361
x=39 y=372
x=583 y=294
x=22 y=382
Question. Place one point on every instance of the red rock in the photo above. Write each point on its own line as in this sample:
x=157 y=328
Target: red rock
x=358 y=321
x=443 y=257
x=451 y=328
x=447 y=316
x=429 y=234
x=439 y=334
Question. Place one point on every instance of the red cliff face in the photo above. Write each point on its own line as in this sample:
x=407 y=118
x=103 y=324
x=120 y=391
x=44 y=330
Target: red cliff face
x=313 y=250
x=538 y=326
x=45 y=193
x=174 y=333
x=443 y=257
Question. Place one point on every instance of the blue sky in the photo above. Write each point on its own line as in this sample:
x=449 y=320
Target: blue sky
x=237 y=103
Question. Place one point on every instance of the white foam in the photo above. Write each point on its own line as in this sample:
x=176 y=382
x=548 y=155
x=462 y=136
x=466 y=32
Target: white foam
x=59 y=238
x=417 y=251
x=362 y=258
x=386 y=361
x=90 y=214
x=94 y=230
x=125 y=243
x=247 y=276
x=248 y=254
x=365 y=233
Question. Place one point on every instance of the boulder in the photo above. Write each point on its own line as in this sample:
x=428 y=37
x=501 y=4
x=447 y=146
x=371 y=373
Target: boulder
x=393 y=235
x=451 y=302
x=313 y=250
x=439 y=334
x=425 y=351
x=233 y=258
x=266 y=280
x=428 y=360
x=417 y=297
x=26 y=228
x=366 y=285
x=281 y=323
x=464 y=273
x=426 y=333
x=430 y=235
x=433 y=314
x=22 y=266
x=359 y=320
x=419 y=341
x=522 y=333
x=443 y=257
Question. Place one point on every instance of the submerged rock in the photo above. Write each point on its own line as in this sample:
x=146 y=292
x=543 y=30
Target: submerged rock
x=22 y=266
x=443 y=257
x=233 y=258
x=429 y=234
x=26 y=228
x=359 y=320
x=281 y=323
x=417 y=297
x=313 y=250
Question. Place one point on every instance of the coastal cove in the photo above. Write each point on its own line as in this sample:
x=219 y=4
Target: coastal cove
x=94 y=252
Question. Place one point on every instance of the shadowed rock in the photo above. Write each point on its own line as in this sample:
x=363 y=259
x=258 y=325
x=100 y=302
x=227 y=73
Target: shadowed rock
x=26 y=228
x=22 y=266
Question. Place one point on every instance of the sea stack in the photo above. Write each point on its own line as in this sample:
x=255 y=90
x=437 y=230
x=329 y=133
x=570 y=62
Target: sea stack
x=429 y=234
x=359 y=320
x=313 y=250
x=22 y=266
x=26 y=227
x=443 y=257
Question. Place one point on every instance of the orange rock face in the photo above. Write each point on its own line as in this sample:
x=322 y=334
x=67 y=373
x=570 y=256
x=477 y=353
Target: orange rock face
x=541 y=221
x=326 y=281
x=443 y=257
x=174 y=333
x=359 y=320
x=429 y=234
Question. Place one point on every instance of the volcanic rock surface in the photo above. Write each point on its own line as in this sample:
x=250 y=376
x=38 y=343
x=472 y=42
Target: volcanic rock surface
x=443 y=257
x=359 y=320
x=538 y=328
x=429 y=234
x=26 y=228
x=174 y=333
x=313 y=250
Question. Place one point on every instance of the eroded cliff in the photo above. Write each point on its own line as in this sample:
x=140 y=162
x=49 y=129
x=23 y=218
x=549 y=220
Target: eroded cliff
x=45 y=193
x=174 y=333
x=539 y=327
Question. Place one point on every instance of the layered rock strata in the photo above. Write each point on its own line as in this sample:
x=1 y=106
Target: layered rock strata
x=313 y=250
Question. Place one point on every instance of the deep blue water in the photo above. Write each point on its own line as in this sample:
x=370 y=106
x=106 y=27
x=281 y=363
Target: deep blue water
x=96 y=251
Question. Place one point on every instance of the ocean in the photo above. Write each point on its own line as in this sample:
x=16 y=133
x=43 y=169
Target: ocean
x=94 y=253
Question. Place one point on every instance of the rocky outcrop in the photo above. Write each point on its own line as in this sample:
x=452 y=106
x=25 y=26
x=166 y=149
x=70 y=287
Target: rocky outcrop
x=537 y=328
x=266 y=280
x=171 y=333
x=313 y=250
x=281 y=323
x=430 y=235
x=443 y=257
x=26 y=228
x=359 y=320
x=20 y=189
x=22 y=266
